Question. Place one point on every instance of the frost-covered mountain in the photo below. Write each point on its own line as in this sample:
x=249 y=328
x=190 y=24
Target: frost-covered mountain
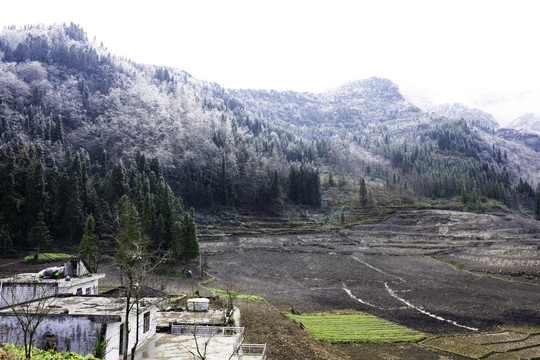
x=64 y=93
x=460 y=111
x=528 y=122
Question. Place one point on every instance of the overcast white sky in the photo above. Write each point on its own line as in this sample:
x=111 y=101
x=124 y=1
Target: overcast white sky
x=483 y=53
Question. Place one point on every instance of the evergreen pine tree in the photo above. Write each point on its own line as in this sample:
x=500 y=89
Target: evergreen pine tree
x=74 y=214
x=274 y=187
x=315 y=188
x=464 y=196
x=39 y=234
x=88 y=249
x=537 y=202
x=148 y=220
x=166 y=212
x=363 y=193
x=35 y=192
x=177 y=243
x=223 y=186
x=128 y=236
x=293 y=184
x=116 y=183
x=190 y=248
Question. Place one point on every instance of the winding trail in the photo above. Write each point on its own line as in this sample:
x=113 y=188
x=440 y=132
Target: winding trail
x=395 y=296
x=376 y=269
x=349 y=292
x=440 y=318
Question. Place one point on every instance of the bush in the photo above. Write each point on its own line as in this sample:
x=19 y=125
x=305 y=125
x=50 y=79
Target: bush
x=38 y=354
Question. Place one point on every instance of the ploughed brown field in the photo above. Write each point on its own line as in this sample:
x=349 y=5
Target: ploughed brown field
x=440 y=272
x=451 y=275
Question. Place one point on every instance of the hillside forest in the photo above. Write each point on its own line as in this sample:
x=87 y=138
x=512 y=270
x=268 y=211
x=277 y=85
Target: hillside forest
x=80 y=129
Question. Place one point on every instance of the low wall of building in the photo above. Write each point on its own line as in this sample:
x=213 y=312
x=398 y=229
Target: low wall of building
x=16 y=293
x=113 y=333
x=73 y=333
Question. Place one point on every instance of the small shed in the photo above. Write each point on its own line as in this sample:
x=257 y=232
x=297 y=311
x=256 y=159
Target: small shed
x=198 y=304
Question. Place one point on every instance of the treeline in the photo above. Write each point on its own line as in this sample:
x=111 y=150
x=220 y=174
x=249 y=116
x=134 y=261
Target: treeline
x=63 y=189
x=222 y=157
x=214 y=148
x=446 y=164
x=304 y=185
x=57 y=49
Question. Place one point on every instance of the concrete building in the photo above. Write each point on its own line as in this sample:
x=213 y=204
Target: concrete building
x=198 y=304
x=72 y=323
x=75 y=278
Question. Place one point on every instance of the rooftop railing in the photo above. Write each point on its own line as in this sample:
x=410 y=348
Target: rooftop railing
x=207 y=330
x=252 y=351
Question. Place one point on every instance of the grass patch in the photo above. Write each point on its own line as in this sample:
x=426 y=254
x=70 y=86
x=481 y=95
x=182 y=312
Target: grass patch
x=357 y=327
x=44 y=257
x=223 y=293
x=18 y=350
x=104 y=288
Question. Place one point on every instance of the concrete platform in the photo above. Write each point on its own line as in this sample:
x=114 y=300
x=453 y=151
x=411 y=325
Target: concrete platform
x=210 y=317
x=180 y=347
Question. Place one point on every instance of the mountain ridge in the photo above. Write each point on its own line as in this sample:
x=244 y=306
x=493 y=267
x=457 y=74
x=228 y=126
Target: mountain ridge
x=222 y=148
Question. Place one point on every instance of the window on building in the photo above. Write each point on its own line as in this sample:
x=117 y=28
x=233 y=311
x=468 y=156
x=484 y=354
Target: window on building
x=121 y=342
x=88 y=291
x=79 y=291
x=50 y=342
x=146 y=322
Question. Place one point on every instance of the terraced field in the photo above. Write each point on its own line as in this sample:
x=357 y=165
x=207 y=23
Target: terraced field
x=354 y=327
x=434 y=271
x=512 y=344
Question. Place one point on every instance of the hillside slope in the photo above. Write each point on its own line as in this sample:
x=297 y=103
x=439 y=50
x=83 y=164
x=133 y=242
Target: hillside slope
x=85 y=127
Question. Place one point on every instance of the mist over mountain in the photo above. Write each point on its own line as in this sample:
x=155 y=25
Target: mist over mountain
x=527 y=122
x=460 y=111
x=71 y=112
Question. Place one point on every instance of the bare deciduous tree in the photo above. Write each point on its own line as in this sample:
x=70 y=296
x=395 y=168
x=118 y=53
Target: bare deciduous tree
x=136 y=264
x=30 y=312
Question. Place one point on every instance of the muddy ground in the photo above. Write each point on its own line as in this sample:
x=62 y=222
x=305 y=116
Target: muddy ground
x=286 y=340
x=399 y=269
x=440 y=272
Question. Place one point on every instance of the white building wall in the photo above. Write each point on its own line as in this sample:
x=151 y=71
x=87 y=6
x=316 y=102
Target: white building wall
x=113 y=340
x=113 y=333
x=15 y=293
x=18 y=292
x=77 y=334
x=88 y=285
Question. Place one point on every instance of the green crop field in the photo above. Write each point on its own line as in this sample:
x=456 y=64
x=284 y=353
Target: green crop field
x=48 y=257
x=235 y=294
x=356 y=327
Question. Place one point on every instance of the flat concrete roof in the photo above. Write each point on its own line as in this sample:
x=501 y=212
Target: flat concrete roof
x=182 y=347
x=31 y=278
x=83 y=305
x=209 y=317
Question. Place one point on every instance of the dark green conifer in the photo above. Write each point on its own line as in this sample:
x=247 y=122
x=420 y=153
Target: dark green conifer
x=190 y=243
x=88 y=249
x=39 y=234
x=363 y=193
